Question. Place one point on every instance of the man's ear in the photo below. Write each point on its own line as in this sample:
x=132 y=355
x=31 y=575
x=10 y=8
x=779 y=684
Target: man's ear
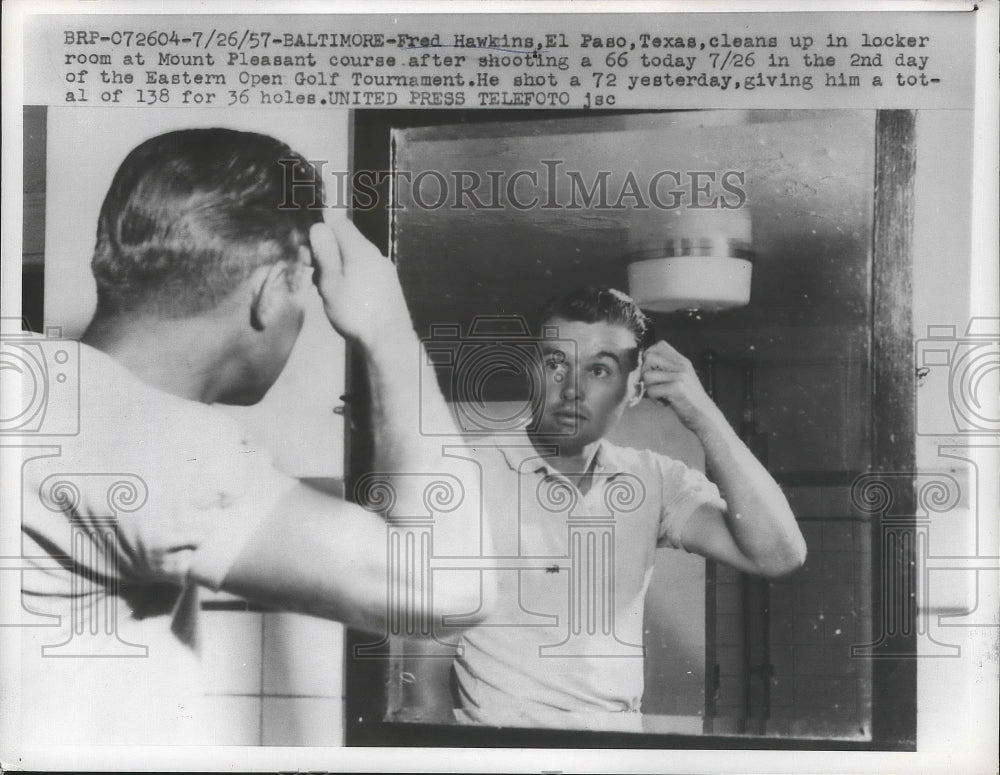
x=302 y=269
x=270 y=285
x=635 y=387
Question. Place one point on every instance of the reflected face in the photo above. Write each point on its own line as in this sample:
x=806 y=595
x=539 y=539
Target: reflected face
x=587 y=387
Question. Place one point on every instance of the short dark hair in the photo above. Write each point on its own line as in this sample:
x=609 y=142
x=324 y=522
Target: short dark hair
x=190 y=214
x=600 y=305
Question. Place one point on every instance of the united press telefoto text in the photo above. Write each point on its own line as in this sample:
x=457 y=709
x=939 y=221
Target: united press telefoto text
x=550 y=69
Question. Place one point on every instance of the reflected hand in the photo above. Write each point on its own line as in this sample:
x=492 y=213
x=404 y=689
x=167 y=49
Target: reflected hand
x=670 y=378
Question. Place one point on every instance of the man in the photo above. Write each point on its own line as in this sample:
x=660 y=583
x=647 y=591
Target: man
x=208 y=243
x=584 y=517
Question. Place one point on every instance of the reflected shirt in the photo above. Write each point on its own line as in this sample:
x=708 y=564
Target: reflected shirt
x=572 y=573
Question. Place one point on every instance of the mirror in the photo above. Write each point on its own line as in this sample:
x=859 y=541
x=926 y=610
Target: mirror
x=554 y=203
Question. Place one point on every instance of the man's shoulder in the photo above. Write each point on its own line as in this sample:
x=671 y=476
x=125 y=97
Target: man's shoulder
x=186 y=452
x=629 y=458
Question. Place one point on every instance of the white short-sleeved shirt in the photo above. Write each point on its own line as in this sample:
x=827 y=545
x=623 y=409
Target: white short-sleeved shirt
x=154 y=496
x=565 y=640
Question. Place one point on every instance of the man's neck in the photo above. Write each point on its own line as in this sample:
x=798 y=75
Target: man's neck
x=570 y=461
x=185 y=357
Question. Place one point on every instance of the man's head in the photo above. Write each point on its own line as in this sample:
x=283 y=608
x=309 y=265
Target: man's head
x=592 y=364
x=204 y=222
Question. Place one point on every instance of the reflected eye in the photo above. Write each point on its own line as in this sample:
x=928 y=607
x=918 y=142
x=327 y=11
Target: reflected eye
x=556 y=361
x=600 y=371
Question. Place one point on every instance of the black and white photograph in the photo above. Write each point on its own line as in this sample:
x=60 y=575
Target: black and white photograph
x=358 y=419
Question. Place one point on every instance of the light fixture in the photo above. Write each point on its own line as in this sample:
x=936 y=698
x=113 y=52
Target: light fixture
x=691 y=260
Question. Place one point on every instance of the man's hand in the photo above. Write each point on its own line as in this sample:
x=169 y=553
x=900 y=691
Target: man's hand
x=669 y=377
x=359 y=286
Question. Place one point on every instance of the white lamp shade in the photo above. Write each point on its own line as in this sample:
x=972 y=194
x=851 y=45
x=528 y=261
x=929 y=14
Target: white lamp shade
x=673 y=283
x=692 y=260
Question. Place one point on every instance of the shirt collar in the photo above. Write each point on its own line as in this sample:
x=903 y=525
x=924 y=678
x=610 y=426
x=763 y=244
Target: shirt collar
x=522 y=457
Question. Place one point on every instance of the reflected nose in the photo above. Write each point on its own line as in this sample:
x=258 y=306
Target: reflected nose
x=570 y=387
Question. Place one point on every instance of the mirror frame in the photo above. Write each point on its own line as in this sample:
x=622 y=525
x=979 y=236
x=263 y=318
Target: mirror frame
x=892 y=431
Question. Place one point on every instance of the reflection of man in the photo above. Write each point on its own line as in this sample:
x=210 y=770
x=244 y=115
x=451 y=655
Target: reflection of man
x=584 y=518
x=203 y=268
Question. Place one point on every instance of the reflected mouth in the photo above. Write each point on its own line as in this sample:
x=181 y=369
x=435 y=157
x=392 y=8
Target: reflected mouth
x=568 y=416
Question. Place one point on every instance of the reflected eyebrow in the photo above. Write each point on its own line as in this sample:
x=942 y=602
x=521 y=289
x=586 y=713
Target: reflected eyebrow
x=608 y=354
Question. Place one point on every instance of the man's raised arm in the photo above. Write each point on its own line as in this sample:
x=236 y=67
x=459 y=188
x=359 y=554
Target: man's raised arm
x=324 y=556
x=758 y=532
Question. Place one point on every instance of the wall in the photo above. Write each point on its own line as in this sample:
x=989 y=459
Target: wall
x=806 y=334
x=957 y=605
x=33 y=246
x=810 y=405
x=273 y=678
x=819 y=612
